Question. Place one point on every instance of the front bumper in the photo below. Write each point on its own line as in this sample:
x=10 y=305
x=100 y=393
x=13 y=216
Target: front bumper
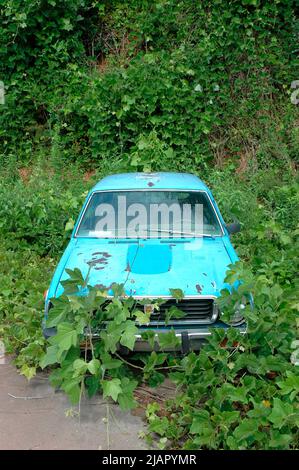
x=191 y=337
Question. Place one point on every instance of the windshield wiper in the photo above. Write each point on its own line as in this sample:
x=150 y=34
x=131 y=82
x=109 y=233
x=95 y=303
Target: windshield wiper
x=187 y=234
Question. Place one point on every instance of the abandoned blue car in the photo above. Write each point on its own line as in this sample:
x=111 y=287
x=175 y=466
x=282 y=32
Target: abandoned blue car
x=154 y=232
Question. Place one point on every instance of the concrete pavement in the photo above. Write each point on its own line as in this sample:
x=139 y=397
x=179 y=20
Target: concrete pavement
x=36 y=418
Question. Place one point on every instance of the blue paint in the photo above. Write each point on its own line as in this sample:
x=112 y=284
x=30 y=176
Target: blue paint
x=159 y=264
x=149 y=258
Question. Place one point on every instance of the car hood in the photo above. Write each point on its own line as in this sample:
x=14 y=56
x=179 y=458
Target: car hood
x=152 y=267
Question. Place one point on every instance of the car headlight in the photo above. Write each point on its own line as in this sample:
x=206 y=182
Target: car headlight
x=238 y=317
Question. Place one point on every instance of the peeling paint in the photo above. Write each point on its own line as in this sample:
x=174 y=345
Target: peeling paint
x=128 y=268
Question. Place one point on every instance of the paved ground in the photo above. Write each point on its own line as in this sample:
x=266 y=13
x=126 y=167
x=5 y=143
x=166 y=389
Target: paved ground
x=41 y=423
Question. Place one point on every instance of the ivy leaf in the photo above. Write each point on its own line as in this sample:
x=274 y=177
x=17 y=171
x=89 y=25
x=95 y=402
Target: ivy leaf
x=290 y=385
x=177 y=294
x=149 y=336
x=92 y=385
x=168 y=340
x=247 y=428
x=128 y=337
x=28 y=371
x=156 y=379
x=280 y=413
x=173 y=312
x=69 y=225
x=200 y=420
x=94 y=366
x=111 y=388
x=65 y=338
x=50 y=357
x=111 y=336
x=142 y=318
x=109 y=362
x=72 y=389
x=76 y=303
x=279 y=441
x=58 y=312
x=159 y=425
x=126 y=399
x=79 y=366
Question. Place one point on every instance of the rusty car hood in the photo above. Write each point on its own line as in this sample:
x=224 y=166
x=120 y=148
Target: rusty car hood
x=151 y=267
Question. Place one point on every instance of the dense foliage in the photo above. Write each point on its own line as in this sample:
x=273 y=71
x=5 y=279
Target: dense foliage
x=96 y=87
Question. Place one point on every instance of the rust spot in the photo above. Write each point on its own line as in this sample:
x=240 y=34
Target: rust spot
x=103 y=253
x=80 y=254
x=213 y=284
x=97 y=269
x=172 y=244
x=205 y=274
x=128 y=268
x=101 y=287
x=198 y=288
x=96 y=261
x=132 y=281
x=150 y=184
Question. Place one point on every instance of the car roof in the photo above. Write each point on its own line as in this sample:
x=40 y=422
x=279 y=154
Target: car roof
x=160 y=180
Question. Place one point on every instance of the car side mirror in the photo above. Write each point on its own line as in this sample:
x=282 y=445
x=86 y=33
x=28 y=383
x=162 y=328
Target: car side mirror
x=234 y=227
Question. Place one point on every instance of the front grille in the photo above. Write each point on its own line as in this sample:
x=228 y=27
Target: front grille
x=197 y=310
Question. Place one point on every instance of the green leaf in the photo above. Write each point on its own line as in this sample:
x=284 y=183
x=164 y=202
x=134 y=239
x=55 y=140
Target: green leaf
x=279 y=441
x=156 y=379
x=109 y=362
x=168 y=340
x=173 y=312
x=177 y=294
x=200 y=420
x=72 y=389
x=111 y=336
x=247 y=428
x=28 y=371
x=65 y=338
x=75 y=276
x=92 y=385
x=159 y=425
x=111 y=388
x=50 y=357
x=69 y=225
x=126 y=399
x=79 y=366
x=142 y=318
x=290 y=385
x=128 y=337
x=58 y=312
x=149 y=336
x=94 y=366
x=281 y=412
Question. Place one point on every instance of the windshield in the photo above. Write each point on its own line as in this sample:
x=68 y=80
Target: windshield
x=149 y=214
